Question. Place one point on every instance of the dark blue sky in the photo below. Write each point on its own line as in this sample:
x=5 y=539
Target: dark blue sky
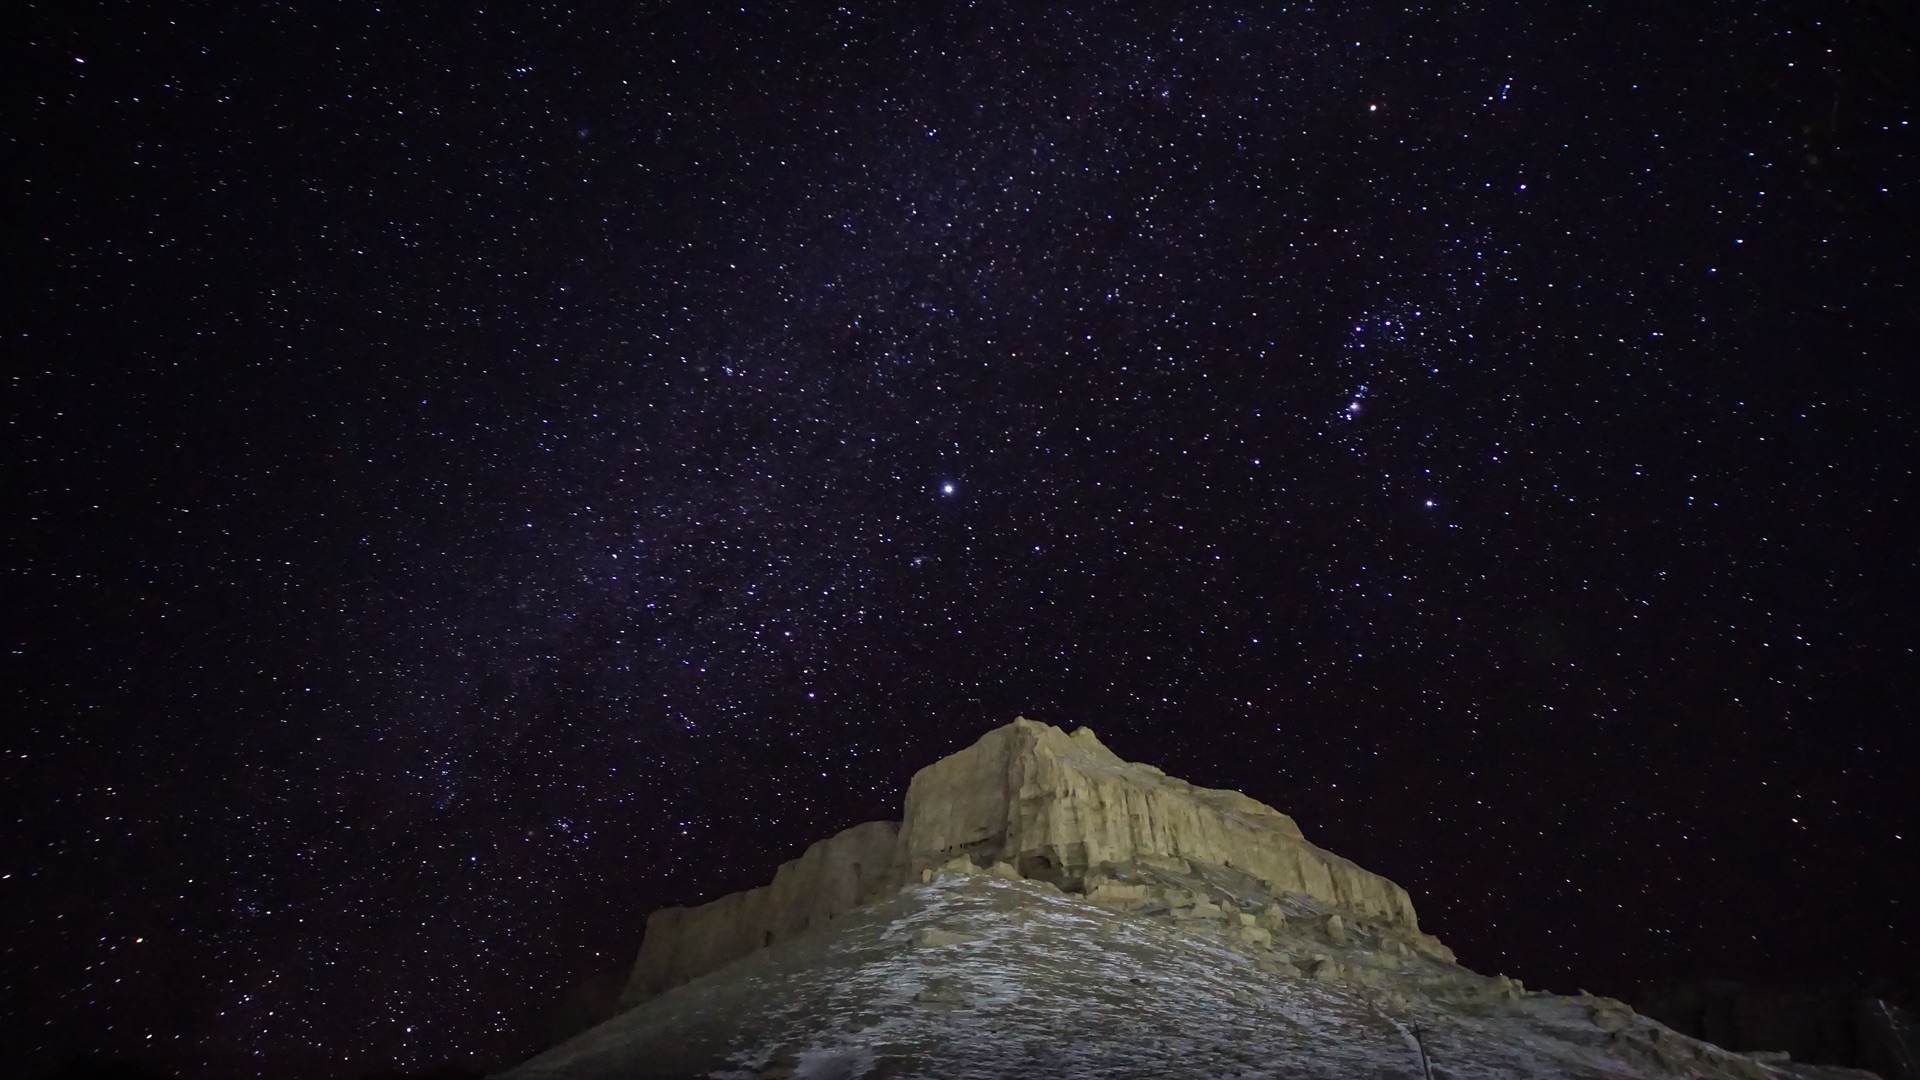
x=485 y=474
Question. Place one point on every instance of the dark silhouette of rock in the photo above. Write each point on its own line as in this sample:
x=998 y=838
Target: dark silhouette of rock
x=1867 y=1026
x=590 y=1001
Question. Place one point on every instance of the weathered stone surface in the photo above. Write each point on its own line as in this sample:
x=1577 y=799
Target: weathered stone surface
x=974 y=976
x=1070 y=914
x=1030 y=801
x=1056 y=805
x=833 y=877
x=1850 y=1025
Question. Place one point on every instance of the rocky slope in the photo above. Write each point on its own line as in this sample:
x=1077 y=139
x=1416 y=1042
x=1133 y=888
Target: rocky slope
x=1052 y=807
x=1048 y=910
x=1868 y=1026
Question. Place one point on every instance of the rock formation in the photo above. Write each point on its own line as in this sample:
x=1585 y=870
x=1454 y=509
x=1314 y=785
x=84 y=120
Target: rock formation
x=1047 y=909
x=1051 y=807
x=835 y=876
x=1865 y=1026
x=1060 y=808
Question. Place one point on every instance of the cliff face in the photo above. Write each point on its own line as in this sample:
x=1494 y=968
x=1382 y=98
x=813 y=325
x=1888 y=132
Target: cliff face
x=835 y=876
x=1058 y=807
x=1030 y=801
x=1047 y=910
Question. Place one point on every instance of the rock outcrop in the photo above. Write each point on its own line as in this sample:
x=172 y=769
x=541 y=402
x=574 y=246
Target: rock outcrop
x=1058 y=807
x=1043 y=805
x=983 y=975
x=1047 y=910
x=836 y=875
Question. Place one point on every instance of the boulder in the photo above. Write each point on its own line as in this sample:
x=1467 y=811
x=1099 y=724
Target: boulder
x=1335 y=929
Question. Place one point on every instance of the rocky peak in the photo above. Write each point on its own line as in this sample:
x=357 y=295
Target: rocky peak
x=1047 y=909
x=1065 y=809
x=1029 y=800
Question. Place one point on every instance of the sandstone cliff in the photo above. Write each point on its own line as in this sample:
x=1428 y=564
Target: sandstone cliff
x=835 y=876
x=1047 y=910
x=1058 y=807
x=1031 y=801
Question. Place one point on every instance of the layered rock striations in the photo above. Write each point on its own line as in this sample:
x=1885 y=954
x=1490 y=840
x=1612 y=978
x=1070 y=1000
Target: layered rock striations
x=1060 y=807
x=1048 y=911
x=1032 y=801
x=834 y=876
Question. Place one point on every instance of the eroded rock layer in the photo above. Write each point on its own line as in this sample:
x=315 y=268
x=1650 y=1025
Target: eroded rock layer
x=836 y=875
x=974 y=976
x=1031 y=801
x=1057 y=807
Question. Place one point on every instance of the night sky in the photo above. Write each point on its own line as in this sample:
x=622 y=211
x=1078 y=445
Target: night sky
x=481 y=475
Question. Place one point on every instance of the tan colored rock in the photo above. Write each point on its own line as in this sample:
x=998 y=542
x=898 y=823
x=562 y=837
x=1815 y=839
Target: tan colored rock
x=1123 y=896
x=1336 y=930
x=1434 y=947
x=1055 y=805
x=833 y=877
x=1028 y=800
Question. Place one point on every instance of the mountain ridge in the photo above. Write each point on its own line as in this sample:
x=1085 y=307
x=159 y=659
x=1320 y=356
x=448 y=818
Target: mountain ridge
x=1046 y=909
x=1051 y=806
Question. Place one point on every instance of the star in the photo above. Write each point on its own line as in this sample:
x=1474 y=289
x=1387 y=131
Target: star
x=641 y=538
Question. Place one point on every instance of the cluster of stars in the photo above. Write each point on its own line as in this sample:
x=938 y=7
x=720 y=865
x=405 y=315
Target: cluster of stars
x=493 y=476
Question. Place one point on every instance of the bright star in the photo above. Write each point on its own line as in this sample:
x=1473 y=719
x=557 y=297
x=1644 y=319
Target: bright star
x=946 y=489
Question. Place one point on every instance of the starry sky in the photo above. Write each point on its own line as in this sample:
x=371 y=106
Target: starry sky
x=486 y=472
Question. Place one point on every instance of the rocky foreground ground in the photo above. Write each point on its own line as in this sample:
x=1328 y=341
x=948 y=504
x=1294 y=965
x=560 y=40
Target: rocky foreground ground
x=977 y=975
x=1047 y=909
